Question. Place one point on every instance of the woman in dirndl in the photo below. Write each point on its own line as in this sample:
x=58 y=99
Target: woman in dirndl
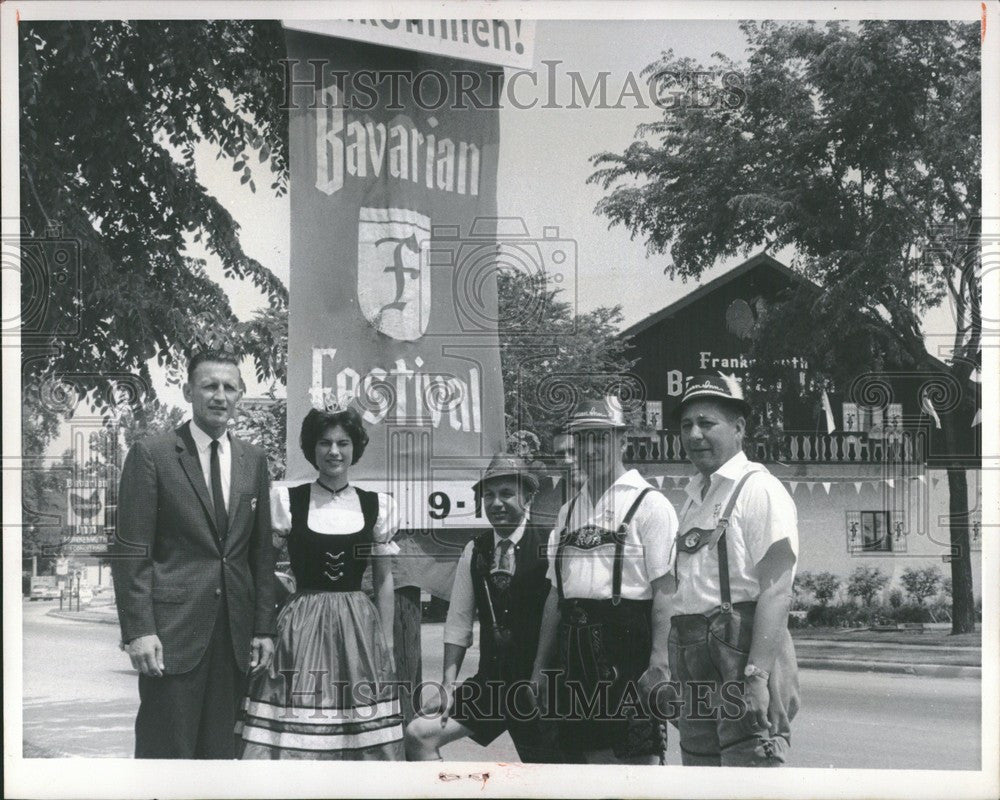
x=330 y=690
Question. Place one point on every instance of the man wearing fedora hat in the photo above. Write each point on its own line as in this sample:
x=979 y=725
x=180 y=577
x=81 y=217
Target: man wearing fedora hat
x=733 y=570
x=605 y=623
x=501 y=579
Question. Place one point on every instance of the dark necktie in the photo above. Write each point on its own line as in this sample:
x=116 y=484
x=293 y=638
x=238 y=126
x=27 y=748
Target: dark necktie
x=505 y=561
x=504 y=568
x=221 y=517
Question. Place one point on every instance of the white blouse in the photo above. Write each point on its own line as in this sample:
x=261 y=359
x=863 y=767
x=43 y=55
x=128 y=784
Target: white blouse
x=338 y=514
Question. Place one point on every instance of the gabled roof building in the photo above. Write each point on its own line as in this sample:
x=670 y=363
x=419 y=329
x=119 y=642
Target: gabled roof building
x=868 y=477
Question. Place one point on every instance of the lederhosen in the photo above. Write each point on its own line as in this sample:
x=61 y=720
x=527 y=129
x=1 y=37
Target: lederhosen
x=715 y=647
x=604 y=647
x=509 y=608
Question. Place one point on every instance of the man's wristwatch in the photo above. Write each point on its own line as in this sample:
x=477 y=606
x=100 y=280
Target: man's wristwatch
x=753 y=671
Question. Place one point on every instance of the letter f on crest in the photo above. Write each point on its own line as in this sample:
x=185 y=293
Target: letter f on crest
x=394 y=296
x=401 y=271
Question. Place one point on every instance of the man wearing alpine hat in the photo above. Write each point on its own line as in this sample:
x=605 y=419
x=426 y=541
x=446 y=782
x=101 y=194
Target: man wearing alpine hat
x=501 y=580
x=605 y=625
x=734 y=564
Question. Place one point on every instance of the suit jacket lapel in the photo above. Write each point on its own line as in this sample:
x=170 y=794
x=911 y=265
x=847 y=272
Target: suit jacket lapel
x=188 y=455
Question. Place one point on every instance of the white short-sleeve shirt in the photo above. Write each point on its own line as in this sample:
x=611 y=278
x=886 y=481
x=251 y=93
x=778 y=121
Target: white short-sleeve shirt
x=764 y=514
x=587 y=572
x=462 y=606
x=338 y=514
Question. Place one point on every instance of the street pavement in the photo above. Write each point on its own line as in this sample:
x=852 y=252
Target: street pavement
x=80 y=699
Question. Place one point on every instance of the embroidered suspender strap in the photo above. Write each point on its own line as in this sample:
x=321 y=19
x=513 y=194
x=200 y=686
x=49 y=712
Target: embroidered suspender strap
x=480 y=551
x=559 y=545
x=720 y=537
x=616 y=577
x=485 y=580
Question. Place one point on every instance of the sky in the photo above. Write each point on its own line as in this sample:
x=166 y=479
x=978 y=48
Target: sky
x=544 y=163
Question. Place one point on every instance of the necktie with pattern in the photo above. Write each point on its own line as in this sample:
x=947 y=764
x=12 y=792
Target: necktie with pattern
x=506 y=561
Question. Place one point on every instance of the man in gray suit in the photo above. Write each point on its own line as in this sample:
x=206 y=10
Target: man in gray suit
x=194 y=573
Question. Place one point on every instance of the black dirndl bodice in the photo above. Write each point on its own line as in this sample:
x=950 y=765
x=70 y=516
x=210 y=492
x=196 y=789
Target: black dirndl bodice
x=329 y=562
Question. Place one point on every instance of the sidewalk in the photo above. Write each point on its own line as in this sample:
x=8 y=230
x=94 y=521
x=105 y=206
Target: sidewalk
x=104 y=612
x=928 y=654
x=933 y=652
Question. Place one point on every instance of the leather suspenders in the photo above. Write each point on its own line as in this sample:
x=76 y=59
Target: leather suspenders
x=718 y=538
x=620 y=534
x=559 y=545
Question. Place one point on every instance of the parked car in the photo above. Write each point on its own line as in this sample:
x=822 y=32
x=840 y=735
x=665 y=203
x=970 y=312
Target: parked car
x=44 y=591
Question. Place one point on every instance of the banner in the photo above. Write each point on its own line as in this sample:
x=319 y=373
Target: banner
x=393 y=304
x=494 y=41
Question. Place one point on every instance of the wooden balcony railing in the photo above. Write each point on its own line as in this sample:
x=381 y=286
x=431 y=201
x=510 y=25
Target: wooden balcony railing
x=796 y=448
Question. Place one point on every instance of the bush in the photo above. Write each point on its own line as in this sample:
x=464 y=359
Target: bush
x=896 y=598
x=800 y=592
x=940 y=611
x=911 y=612
x=865 y=583
x=823 y=617
x=921 y=583
x=861 y=616
x=844 y=615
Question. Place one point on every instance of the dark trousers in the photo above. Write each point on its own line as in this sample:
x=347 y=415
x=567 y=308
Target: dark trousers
x=193 y=715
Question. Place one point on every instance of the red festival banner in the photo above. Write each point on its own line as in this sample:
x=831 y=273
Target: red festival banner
x=393 y=302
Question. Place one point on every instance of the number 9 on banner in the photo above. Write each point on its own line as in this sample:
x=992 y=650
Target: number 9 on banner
x=440 y=505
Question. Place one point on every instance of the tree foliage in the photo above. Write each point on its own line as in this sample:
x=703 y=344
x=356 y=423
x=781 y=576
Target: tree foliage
x=149 y=420
x=263 y=424
x=111 y=112
x=858 y=146
x=551 y=356
x=920 y=583
x=866 y=582
x=823 y=585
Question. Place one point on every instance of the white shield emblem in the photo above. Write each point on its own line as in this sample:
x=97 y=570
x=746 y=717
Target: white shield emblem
x=394 y=282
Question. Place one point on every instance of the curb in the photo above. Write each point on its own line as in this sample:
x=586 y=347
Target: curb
x=895 y=667
x=83 y=616
x=805 y=662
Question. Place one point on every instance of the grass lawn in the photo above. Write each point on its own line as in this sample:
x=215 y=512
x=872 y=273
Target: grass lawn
x=933 y=646
x=933 y=637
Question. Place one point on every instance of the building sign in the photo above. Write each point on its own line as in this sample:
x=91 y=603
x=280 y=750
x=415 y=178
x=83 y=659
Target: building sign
x=709 y=361
x=493 y=41
x=86 y=517
x=652 y=416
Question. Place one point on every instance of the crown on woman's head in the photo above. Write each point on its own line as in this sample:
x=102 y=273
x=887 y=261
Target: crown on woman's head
x=327 y=400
